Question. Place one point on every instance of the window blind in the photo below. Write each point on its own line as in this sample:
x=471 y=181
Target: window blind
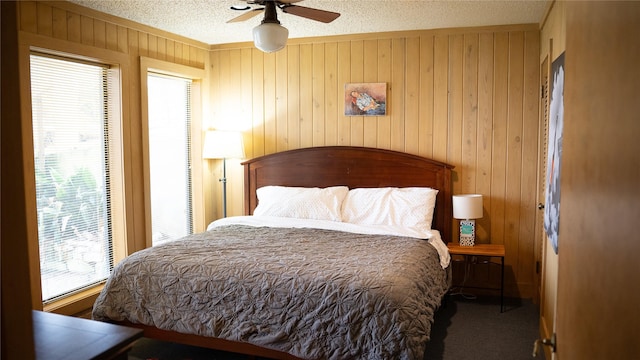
x=169 y=128
x=70 y=101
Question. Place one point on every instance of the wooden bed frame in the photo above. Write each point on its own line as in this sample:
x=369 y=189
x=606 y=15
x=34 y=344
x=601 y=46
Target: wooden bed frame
x=321 y=167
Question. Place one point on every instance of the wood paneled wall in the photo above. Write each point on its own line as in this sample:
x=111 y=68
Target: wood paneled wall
x=465 y=96
x=468 y=97
x=64 y=27
x=66 y=21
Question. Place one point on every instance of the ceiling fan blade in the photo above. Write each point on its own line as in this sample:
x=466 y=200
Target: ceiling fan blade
x=310 y=13
x=278 y=2
x=247 y=15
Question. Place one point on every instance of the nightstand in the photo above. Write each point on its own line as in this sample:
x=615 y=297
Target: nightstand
x=489 y=250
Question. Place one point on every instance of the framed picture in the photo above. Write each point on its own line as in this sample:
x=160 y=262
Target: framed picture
x=554 y=152
x=365 y=99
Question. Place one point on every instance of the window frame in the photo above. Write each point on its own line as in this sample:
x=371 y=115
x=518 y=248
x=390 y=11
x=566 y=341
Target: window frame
x=109 y=88
x=197 y=76
x=121 y=234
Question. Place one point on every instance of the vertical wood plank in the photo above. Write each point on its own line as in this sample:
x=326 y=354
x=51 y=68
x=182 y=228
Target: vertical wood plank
x=412 y=97
x=86 y=25
x=425 y=100
x=441 y=97
x=112 y=36
x=45 y=19
x=270 y=114
x=162 y=49
x=171 y=50
x=133 y=41
x=456 y=99
x=357 y=76
x=281 y=119
x=227 y=88
x=123 y=39
x=332 y=94
x=500 y=124
x=186 y=54
x=469 y=115
x=258 y=103
x=370 y=74
x=318 y=95
x=383 y=127
x=143 y=43
x=59 y=25
x=344 y=76
x=397 y=92
x=244 y=122
x=132 y=146
x=99 y=34
x=215 y=95
x=293 y=98
x=526 y=238
x=193 y=56
x=232 y=115
x=177 y=52
x=28 y=16
x=74 y=31
x=306 y=95
x=514 y=148
x=485 y=131
x=200 y=58
x=152 y=46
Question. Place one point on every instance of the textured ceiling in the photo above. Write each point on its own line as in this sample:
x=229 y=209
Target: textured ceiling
x=205 y=20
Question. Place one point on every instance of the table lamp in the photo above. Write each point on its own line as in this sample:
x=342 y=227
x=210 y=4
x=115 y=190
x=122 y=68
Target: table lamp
x=467 y=208
x=223 y=145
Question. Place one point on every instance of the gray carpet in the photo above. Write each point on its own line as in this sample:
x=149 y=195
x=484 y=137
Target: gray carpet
x=463 y=329
x=475 y=329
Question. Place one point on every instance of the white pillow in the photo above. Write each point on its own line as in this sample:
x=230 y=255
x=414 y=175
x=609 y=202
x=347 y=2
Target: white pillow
x=410 y=207
x=300 y=202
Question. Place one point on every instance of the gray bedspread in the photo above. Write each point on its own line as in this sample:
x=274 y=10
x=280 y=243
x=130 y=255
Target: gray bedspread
x=316 y=294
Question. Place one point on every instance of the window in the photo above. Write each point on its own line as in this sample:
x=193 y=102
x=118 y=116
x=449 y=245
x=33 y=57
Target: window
x=169 y=129
x=71 y=138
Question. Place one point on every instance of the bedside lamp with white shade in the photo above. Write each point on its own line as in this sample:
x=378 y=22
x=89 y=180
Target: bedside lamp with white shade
x=223 y=145
x=467 y=208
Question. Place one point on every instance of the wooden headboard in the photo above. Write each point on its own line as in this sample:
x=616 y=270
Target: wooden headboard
x=355 y=167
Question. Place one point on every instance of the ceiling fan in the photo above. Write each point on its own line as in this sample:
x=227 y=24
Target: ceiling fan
x=270 y=36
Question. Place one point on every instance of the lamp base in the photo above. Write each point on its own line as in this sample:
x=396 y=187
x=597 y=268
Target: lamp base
x=467 y=232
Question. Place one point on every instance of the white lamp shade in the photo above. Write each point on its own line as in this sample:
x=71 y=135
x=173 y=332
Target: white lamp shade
x=270 y=37
x=223 y=145
x=467 y=206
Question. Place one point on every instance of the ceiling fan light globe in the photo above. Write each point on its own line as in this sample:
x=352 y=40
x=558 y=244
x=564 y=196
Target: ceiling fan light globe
x=270 y=37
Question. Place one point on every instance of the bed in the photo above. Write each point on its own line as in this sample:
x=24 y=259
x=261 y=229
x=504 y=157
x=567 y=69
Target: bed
x=339 y=256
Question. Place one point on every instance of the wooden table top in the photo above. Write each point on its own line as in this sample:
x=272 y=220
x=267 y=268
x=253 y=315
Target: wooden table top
x=60 y=337
x=478 y=249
